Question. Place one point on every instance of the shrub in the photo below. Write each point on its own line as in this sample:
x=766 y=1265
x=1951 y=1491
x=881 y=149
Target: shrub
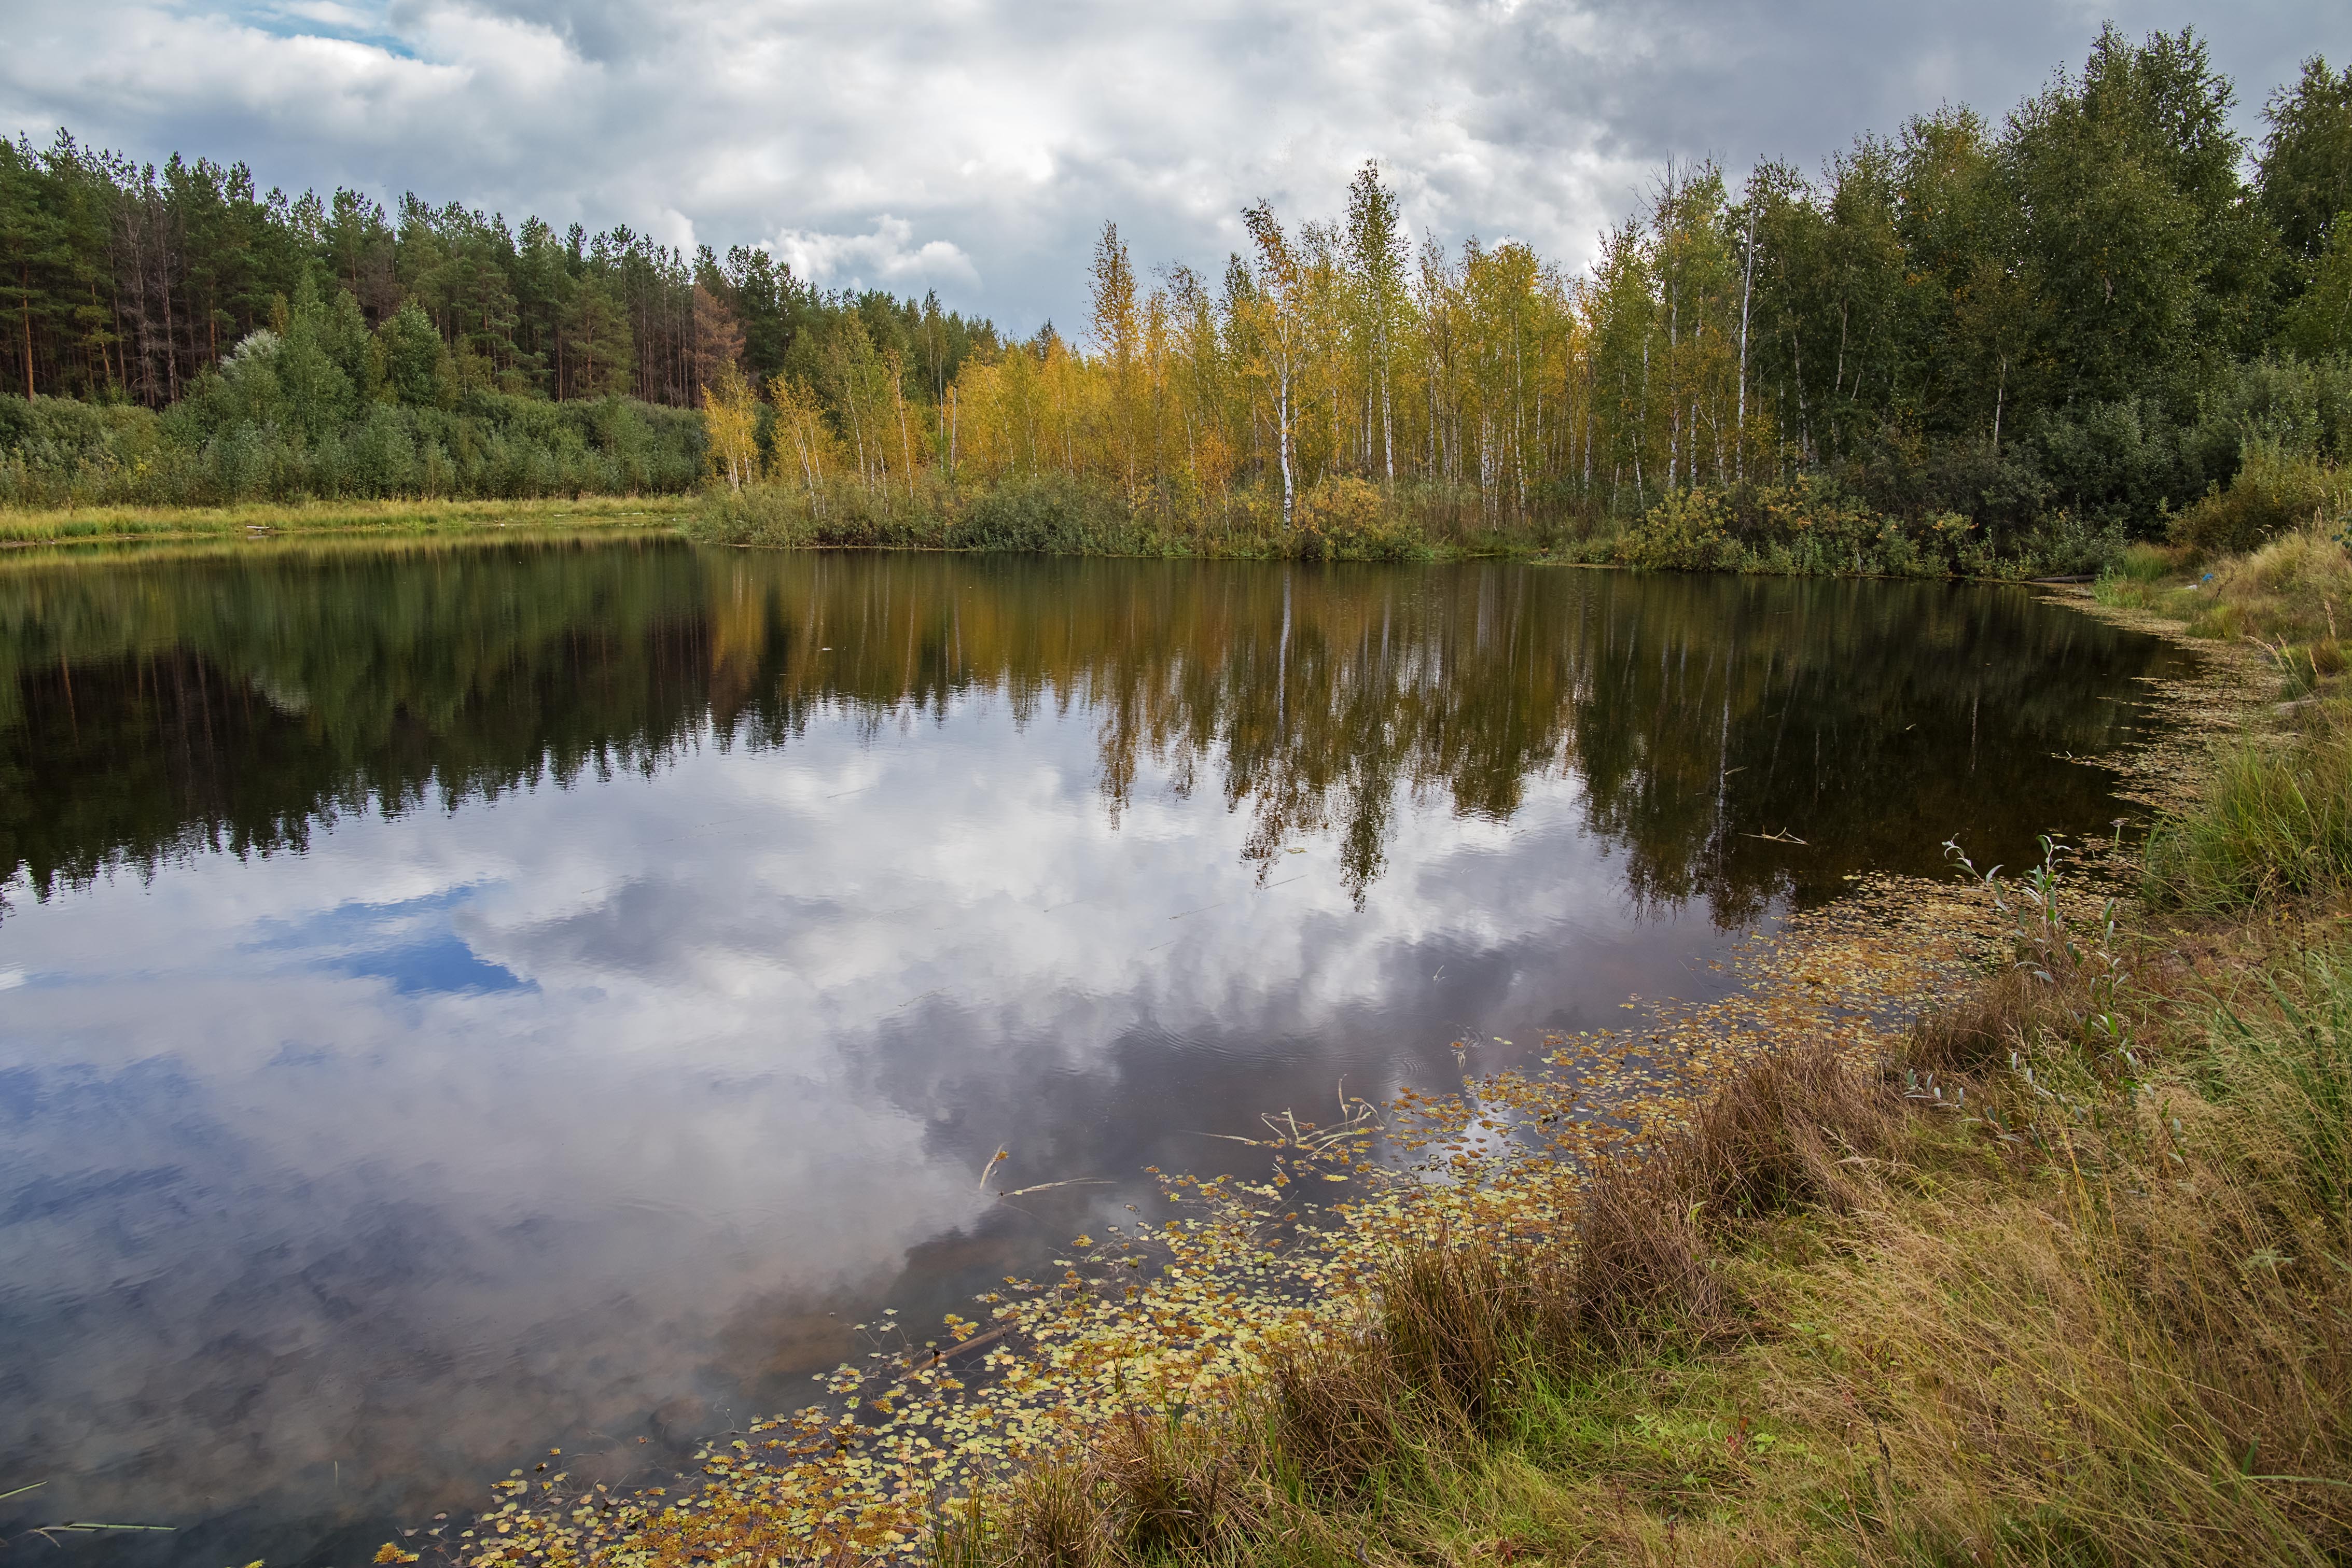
x=1049 y=513
x=1813 y=526
x=238 y=438
x=1342 y=519
x=1687 y=530
x=2277 y=488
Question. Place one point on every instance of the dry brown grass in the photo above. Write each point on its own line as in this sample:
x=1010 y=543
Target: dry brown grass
x=1838 y=1322
x=2294 y=592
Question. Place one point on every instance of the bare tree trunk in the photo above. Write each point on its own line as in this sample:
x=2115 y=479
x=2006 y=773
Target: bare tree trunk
x=1282 y=437
x=1998 y=392
x=1747 y=292
x=1388 y=426
x=1804 y=420
x=1642 y=424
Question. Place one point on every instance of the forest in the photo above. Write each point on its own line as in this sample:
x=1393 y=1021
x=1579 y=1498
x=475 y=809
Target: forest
x=1965 y=345
x=180 y=338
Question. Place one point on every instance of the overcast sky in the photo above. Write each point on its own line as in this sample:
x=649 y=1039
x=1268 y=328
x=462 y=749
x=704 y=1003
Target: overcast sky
x=975 y=146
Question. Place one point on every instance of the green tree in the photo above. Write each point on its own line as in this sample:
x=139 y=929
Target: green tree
x=2304 y=176
x=415 y=362
x=1376 y=259
x=319 y=393
x=2135 y=234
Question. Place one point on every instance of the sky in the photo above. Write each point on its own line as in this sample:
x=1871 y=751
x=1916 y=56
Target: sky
x=976 y=147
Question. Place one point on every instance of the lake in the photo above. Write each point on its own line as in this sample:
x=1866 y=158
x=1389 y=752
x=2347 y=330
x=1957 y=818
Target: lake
x=459 y=999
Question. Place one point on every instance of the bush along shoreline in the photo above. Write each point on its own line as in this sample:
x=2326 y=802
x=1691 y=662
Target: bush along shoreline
x=1811 y=527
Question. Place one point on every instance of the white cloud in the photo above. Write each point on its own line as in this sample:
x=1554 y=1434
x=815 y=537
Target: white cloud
x=785 y=999
x=887 y=258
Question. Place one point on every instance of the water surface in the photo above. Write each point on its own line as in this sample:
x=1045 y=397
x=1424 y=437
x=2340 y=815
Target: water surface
x=458 y=1000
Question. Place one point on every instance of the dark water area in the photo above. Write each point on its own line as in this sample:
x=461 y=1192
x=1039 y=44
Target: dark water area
x=458 y=1000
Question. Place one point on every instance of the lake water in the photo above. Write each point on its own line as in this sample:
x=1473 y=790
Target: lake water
x=458 y=1000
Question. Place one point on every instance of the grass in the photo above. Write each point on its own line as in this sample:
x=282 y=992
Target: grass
x=2276 y=825
x=2291 y=595
x=2067 y=1280
x=88 y=524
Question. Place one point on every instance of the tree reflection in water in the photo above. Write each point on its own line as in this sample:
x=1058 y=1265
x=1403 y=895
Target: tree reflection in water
x=158 y=707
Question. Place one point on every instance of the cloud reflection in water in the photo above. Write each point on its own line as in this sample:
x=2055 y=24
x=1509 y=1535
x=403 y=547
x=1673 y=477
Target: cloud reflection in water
x=687 y=985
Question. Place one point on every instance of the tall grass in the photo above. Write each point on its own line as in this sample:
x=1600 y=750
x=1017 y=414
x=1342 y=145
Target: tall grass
x=2277 y=823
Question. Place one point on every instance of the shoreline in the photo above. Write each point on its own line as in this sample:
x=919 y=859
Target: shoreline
x=1421 y=535
x=95 y=526
x=1162 y=1359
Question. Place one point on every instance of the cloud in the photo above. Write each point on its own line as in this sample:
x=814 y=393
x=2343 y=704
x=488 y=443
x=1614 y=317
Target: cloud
x=976 y=145
x=592 y=1079
x=887 y=258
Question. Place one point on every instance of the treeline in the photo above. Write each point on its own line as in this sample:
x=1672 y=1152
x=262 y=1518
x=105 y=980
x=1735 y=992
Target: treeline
x=308 y=346
x=1965 y=342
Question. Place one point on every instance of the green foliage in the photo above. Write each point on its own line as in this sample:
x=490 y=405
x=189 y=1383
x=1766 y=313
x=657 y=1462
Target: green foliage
x=1050 y=514
x=2277 y=823
x=190 y=260
x=417 y=370
x=2303 y=403
x=2042 y=326
x=1686 y=531
x=2278 y=488
x=2144 y=266
x=323 y=408
x=2319 y=323
x=242 y=437
x=1814 y=528
x=2305 y=175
